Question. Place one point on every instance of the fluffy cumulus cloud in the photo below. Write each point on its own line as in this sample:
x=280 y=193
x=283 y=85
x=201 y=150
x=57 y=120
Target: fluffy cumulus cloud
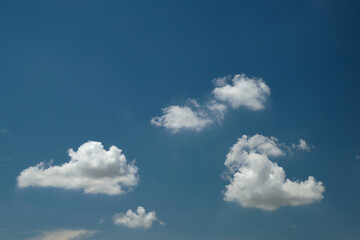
x=176 y=118
x=244 y=91
x=90 y=168
x=256 y=181
x=138 y=219
x=65 y=235
x=241 y=92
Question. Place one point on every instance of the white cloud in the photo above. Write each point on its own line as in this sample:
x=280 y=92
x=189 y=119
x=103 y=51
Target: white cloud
x=303 y=145
x=177 y=118
x=65 y=235
x=91 y=168
x=244 y=91
x=3 y=130
x=357 y=156
x=138 y=219
x=247 y=92
x=256 y=181
x=221 y=81
x=194 y=102
x=216 y=110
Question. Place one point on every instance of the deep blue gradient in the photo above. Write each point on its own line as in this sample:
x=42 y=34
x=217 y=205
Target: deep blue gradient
x=73 y=71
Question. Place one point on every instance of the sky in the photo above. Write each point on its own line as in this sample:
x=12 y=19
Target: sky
x=172 y=120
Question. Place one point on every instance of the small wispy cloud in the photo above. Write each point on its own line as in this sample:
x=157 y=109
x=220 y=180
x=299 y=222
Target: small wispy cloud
x=357 y=156
x=3 y=130
x=3 y=159
x=302 y=145
x=65 y=234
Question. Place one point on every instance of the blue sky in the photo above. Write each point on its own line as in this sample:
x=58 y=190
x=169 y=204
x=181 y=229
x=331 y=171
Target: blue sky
x=78 y=71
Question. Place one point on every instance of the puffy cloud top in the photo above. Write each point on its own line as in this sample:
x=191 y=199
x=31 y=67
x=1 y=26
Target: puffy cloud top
x=257 y=143
x=90 y=168
x=244 y=91
x=258 y=182
x=138 y=219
